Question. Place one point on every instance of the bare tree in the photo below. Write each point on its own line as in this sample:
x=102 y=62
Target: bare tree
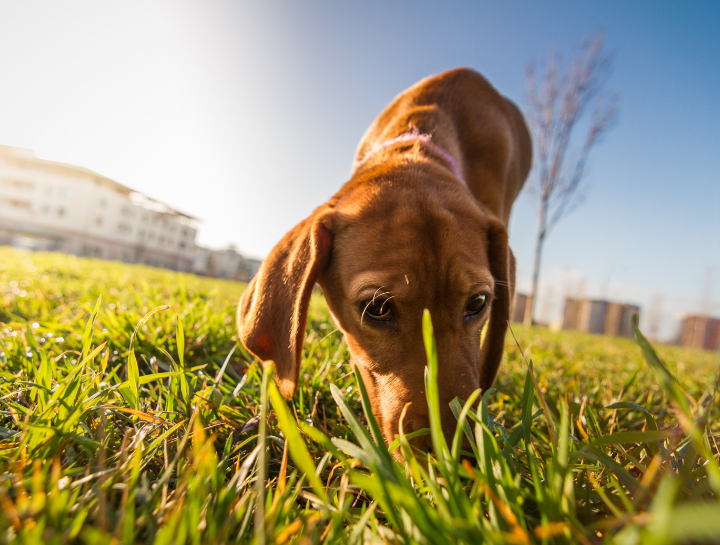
x=557 y=107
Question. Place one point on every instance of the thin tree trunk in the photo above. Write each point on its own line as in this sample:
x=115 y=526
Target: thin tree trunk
x=530 y=309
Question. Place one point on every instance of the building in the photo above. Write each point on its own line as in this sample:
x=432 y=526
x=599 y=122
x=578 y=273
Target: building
x=47 y=205
x=226 y=263
x=599 y=317
x=699 y=332
x=520 y=306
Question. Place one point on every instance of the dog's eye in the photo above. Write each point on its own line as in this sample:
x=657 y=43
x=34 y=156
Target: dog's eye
x=377 y=308
x=475 y=304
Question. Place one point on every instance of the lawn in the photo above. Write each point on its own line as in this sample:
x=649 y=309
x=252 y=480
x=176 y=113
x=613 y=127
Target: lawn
x=128 y=414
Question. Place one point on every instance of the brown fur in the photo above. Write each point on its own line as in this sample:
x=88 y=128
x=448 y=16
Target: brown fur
x=404 y=224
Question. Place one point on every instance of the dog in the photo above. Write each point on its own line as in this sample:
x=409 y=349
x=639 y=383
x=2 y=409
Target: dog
x=421 y=224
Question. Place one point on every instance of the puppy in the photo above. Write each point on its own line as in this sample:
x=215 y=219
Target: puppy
x=422 y=224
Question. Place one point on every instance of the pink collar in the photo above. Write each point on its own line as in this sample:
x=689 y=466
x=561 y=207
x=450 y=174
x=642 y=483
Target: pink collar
x=410 y=136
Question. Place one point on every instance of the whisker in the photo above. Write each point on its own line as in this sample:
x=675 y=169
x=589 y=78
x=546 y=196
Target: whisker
x=378 y=293
x=497 y=282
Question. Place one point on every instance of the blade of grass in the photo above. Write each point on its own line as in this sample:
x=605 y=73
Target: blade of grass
x=457 y=409
x=546 y=409
x=298 y=448
x=87 y=334
x=375 y=459
x=268 y=370
x=134 y=379
x=367 y=410
x=431 y=388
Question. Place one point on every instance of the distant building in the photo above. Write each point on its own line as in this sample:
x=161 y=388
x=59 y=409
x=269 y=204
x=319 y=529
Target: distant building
x=599 y=317
x=47 y=205
x=520 y=306
x=699 y=332
x=227 y=263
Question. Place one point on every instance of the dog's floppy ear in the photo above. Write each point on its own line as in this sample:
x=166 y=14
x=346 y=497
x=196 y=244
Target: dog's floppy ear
x=272 y=313
x=500 y=266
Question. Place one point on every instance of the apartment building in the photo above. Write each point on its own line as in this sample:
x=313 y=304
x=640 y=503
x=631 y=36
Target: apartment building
x=599 y=317
x=47 y=205
x=699 y=332
x=521 y=305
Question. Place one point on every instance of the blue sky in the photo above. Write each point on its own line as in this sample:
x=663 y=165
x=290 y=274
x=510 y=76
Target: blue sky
x=247 y=114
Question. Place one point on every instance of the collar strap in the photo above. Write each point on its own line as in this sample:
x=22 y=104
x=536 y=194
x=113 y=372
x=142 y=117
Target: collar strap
x=407 y=138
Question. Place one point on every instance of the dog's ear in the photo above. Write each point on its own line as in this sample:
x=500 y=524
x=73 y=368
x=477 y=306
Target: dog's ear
x=272 y=313
x=503 y=271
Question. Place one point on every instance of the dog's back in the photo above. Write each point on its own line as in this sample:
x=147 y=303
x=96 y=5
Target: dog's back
x=467 y=117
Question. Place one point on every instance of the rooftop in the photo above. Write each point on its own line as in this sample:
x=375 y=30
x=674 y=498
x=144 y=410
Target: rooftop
x=137 y=198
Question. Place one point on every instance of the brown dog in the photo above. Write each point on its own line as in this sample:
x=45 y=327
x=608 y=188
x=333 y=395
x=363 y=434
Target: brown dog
x=422 y=223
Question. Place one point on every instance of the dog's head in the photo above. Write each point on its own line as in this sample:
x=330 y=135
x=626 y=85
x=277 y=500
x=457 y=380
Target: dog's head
x=384 y=249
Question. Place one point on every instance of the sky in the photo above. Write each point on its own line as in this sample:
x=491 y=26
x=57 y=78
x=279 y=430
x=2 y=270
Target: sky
x=247 y=115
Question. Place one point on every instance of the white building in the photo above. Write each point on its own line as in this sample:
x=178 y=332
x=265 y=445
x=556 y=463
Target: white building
x=46 y=205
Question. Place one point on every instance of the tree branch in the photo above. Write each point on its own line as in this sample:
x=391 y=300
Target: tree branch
x=557 y=105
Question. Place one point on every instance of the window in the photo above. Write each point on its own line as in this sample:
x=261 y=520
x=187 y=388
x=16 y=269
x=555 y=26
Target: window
x=98 y=220
x=123 y=227
x=102 y=203
x=91 y=251
x=65 y=193
x=15 y=203
x=61 y=211
x=18 y=184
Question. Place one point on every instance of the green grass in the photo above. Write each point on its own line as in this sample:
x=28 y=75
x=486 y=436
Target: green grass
x=127 y=416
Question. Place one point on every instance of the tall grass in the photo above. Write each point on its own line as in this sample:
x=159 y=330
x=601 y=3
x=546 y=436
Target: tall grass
x=129 y=414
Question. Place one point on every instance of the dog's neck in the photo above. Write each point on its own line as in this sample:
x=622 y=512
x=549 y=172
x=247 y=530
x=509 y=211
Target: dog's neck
x=409 y=137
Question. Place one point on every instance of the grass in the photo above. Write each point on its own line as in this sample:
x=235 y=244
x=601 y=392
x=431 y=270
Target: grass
x=129 y=415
